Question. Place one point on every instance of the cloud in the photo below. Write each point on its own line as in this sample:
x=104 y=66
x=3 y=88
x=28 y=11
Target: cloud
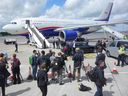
x=74 y=9
x=10 y=9
x=87 y=9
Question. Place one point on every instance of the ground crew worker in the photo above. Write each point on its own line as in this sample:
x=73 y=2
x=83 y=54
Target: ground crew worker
x=121 y=56
x=125 y=37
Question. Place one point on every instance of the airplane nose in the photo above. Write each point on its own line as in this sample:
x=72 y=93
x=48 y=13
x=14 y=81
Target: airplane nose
x=4 y=27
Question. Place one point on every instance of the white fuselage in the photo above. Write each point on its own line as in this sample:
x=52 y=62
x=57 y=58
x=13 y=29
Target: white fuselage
x=17 y=26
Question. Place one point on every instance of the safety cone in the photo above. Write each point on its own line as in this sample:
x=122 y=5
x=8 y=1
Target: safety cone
x=114 y=71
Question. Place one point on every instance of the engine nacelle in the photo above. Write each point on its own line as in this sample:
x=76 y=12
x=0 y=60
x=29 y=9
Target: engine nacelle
x=68 y=35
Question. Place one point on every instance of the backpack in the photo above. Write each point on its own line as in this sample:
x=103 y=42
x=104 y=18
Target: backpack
x=84 y=88
x=92 y=75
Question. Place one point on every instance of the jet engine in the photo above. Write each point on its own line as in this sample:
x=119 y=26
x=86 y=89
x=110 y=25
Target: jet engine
x=68 y=35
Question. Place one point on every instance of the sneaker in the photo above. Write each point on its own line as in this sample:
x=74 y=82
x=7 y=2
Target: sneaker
x=117 y=65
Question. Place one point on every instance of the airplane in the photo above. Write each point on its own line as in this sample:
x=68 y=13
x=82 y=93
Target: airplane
x=66 y=29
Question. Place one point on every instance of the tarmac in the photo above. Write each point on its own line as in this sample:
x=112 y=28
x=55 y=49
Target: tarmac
x=117 y=84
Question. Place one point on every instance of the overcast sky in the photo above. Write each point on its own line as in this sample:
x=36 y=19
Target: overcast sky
x=73 y=9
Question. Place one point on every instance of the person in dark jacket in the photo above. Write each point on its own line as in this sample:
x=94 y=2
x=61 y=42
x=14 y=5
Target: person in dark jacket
x=42 y=79
x=98 y=45
x=34 y=64
x=100 y=56
x=2 y=74
x=101 y=80
x=41 y=59
x=78 y=60
x=48 y=62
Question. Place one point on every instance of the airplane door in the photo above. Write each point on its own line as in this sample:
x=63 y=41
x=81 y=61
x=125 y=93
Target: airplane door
x=27 y=22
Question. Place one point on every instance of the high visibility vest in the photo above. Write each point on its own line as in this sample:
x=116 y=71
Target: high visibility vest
x=121 y=50
x=125 y=37
x=30 y=60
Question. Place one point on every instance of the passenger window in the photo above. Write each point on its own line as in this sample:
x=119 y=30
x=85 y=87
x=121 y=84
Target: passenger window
x=112 y=44
x=118 y=45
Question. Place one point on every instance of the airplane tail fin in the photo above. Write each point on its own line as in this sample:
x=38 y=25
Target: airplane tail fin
x=104 y=16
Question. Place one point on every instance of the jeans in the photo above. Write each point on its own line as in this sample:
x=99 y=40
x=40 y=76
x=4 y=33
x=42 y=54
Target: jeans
x=99 y=91
x=34 y=71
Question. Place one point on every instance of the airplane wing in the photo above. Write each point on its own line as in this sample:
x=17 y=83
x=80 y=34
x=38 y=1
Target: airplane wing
x=94 y=25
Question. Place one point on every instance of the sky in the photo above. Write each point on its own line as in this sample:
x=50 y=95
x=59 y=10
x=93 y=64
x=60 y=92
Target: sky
x=71 y=9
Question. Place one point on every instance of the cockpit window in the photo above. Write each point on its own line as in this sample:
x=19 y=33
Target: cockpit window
x=13 y=23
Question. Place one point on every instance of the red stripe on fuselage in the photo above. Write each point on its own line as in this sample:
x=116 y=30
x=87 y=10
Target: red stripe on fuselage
x=47 y=28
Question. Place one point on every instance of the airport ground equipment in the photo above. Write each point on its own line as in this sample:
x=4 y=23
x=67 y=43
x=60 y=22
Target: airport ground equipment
x=37 y=36
x=9 y=41
x=112 y=48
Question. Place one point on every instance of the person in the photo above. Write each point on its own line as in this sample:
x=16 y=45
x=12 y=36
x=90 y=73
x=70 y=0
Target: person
x=41 y=59
x=16 y=47
x=34 y=64
x=121 y=56
x=15 y=62
x=2 y=73
x=100 y=56
x=48 y=62
x=54 y=43
x=104 y=45
x=52 y=59
x=59 y=60
x=78 y=59
x=100 y=80
x=42 y=79
x=5 y=58
x=44 y=46
x=98 y=44
x=58 y=43
x=30 y=77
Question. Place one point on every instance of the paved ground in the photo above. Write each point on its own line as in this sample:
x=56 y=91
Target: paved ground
x=29 y=88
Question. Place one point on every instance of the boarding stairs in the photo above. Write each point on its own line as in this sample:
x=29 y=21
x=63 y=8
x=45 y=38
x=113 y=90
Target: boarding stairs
x=119 y=35
x=37 y=36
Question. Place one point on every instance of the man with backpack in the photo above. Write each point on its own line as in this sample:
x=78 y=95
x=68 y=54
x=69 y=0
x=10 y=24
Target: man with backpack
x=15 y=62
